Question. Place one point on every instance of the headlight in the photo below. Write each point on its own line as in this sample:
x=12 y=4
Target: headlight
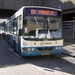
x=59 y=47
x=28 y=49
x=32 y=49
x=56 y=47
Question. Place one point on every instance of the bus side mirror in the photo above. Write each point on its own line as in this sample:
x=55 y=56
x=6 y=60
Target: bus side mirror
x=21 y=32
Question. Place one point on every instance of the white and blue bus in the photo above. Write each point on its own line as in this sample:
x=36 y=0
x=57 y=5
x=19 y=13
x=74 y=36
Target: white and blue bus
x=35 y=31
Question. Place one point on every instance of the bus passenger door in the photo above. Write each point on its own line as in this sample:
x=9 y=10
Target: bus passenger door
x=19 y=20
x=15 y=29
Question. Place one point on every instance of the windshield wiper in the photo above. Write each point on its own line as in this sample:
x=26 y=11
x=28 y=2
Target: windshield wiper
x=35 y=19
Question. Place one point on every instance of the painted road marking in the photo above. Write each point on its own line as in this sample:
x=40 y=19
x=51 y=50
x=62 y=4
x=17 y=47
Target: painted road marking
x=17 y=55
x=37 y=67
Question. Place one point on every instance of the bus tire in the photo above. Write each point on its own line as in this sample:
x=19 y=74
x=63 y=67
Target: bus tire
x=15 y=47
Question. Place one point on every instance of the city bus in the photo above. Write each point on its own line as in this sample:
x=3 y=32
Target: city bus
x=35 y=31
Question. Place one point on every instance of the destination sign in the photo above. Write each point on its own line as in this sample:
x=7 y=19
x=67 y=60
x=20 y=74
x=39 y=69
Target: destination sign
x=41 y=12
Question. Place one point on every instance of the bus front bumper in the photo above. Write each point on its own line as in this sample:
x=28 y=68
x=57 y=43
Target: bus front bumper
x=41 y=53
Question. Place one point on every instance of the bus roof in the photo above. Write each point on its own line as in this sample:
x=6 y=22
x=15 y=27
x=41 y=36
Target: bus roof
x=41 y=7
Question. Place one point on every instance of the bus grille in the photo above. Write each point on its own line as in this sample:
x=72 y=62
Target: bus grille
x=45 y=48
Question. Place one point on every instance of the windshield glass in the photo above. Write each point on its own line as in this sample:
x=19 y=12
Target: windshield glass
x=41 y=27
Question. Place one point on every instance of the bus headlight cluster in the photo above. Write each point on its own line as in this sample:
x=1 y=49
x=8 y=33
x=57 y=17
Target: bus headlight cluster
x=58 y=47
x=30 y=49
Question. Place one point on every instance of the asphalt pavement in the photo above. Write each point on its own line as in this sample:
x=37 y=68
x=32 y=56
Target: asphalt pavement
x=13 y=64
x=69 y=48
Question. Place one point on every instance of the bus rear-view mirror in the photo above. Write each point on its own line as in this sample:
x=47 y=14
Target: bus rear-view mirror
x=21 y=32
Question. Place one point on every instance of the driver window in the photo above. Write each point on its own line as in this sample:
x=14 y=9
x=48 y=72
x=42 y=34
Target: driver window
x=26 y=26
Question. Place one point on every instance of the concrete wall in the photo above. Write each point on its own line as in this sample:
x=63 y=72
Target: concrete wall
x=9 y=4
x=48 y=3
x=20 y=3
x=16 y=4
x=63 y=4
x=69 y=4
x=34 y=2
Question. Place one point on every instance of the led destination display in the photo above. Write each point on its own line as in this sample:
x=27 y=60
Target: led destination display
x=41 y=12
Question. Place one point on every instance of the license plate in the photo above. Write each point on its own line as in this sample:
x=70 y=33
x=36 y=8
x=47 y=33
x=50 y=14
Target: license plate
x=45 y=54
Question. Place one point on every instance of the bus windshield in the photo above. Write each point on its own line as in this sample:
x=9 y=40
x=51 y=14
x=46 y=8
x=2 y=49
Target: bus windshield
x=41 y=27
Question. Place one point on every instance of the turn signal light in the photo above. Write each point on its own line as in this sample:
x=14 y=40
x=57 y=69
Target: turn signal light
x=24 y=49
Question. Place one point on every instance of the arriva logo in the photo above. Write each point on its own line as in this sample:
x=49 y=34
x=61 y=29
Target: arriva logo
x=41 y=43
x=45 y=43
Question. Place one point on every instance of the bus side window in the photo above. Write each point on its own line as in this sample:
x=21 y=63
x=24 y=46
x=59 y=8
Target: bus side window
x=20 y=22
x=17 y=26
x=10 y=27
x=14 y=26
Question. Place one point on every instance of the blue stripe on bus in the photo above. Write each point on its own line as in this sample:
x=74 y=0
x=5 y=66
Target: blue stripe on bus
x=36 y=52
x=40 y=53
